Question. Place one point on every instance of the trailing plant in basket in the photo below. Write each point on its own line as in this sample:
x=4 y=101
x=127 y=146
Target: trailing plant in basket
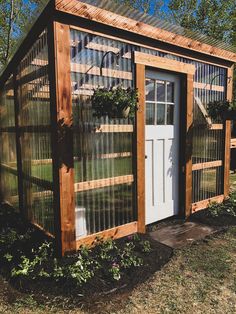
x=115 y=102
x=221 y=109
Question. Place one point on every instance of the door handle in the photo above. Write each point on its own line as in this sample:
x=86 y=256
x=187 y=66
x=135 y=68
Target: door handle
x=146 y=156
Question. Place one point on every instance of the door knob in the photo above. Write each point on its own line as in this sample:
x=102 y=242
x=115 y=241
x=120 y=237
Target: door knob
x=146 y=156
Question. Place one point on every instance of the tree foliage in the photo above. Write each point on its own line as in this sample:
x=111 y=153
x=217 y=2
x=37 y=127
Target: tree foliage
x=211 y=17
x=14 y=15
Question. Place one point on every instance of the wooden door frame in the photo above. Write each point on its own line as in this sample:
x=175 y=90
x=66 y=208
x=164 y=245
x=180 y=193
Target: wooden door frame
x=186 y=71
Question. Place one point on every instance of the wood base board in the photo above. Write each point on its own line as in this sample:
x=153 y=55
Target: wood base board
x=113 y=233
x=205 y=203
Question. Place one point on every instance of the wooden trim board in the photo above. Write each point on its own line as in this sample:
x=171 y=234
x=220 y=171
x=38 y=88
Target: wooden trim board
x=113 y=233
x=207 y=165
x=101 y=183
x=140 y=147
x=163 y=63
x=205 y=203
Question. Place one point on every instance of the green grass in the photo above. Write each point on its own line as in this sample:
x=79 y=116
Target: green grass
x=233 y=181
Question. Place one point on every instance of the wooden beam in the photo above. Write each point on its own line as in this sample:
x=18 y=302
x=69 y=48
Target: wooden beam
x=61 y=113
x=163 y=63
x=205 y=203
x=106 y=17
x=114 y=233
x=140 y=147
x=101 y=183
x=227 y=135
x=207 y=165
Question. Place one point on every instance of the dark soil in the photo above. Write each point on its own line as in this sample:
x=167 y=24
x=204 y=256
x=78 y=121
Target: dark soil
x=88 y=296
x=222 y=220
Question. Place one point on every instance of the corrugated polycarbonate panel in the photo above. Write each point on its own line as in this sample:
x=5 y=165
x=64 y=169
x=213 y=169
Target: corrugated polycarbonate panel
x=103 y=147
x=8 y=159
x=35 y=139
x=87 y=52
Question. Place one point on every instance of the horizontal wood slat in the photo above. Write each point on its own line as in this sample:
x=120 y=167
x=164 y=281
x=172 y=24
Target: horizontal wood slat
x=207 y=165
x=98 y=156
x=205 y=203
x=209 y=87
x=115 y=128
x=114 y=233
x=95 y=70
x=101 y=183
x=216 y=126
x=233 y=143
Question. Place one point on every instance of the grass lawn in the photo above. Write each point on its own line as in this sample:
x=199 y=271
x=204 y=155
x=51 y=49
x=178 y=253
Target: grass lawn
x=233 y=181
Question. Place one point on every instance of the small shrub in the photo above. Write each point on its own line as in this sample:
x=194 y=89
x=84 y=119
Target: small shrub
x=228 y=207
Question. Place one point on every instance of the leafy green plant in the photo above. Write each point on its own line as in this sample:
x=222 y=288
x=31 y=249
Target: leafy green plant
x=115 y=102
x=29 y=260
x=218 y=109
x=115 y=271
x=228 y=207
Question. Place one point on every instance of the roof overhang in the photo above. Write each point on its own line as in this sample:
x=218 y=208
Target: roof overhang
x=90 y=12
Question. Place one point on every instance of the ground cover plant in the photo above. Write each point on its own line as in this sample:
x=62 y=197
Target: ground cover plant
x=28 y=263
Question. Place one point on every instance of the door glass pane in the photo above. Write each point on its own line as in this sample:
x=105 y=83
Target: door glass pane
x=150 y=94
x=170 y=91
x=160 y=114
x=160 y=90
x=170 y=115
x=150 y=113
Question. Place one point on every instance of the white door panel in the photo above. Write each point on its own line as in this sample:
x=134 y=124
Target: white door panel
x=162 y=142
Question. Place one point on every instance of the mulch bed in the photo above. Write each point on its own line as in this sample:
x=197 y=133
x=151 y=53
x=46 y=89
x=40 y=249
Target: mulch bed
x=98 y=288
x=222 y=220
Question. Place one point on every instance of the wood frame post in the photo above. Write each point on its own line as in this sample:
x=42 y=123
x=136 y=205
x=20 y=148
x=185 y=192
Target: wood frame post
x=227 y=133
x=62 y=136
x=140 y=144
x=189 y=145
x=23 y=210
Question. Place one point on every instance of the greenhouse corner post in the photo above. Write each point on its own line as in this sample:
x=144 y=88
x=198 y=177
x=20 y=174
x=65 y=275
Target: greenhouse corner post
x=18 y=147
x=61 y=113
x=227 y=128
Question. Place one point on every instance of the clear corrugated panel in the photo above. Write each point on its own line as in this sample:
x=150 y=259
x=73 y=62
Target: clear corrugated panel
x=208 y=142
x=8 y=159
x=103 y=147
x=93 y=144
x=35 y=139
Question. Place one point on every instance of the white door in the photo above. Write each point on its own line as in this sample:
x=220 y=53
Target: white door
x=162 y=145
